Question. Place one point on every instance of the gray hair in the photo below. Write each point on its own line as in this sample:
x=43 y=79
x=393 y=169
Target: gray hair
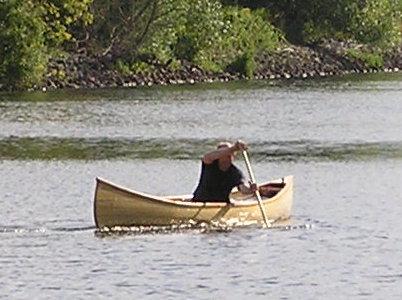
x=224 y=145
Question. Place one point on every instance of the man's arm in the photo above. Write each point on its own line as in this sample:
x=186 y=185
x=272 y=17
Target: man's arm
x=222 y=152
x=217 y=154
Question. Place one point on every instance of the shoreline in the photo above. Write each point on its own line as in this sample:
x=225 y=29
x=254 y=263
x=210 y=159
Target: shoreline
x=293 y=62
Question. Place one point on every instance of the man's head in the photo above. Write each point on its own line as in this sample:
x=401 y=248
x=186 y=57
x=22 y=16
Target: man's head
x=228 y=158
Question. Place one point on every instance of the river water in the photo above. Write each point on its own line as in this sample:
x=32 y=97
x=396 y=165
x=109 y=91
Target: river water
x=341 y=138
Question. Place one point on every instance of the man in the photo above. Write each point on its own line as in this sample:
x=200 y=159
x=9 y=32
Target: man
x=219 y=175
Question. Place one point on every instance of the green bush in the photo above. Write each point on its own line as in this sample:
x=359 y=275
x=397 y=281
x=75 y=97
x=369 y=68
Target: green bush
x=122 y=67
x=23 y=51
x=61 y=18
x=370 y=59
x=210 y=35
x=31 y=31
x=373 y=22
x=186 y=29
x=248 y=34
x=376 y=22
x=120 y=27
x=243 y=64
x=140 y=66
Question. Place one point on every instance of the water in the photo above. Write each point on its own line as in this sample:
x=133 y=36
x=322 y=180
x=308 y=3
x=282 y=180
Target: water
x=340 y=138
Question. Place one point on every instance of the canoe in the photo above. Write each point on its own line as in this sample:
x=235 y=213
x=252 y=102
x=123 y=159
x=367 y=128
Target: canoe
x=119 y=206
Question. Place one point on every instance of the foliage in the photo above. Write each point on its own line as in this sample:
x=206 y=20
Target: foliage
x=378 y=23
x=367 y=21
x=243 y=64
x=122 y=67
x=210 y=35
x=61 y=16
x=184 y=29
x=215 y=35
x=22 y=44
x=163 y=31
x=370 y=59
x=121 y=26
x=31 y=31
x=127 y=68
x=372 y=22
x=248 y=35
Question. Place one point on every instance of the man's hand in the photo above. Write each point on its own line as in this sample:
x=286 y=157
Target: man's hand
x=253 y=187
x=250 y=188
x=240 y=146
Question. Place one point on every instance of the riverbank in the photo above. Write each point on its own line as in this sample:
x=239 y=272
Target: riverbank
x=331 y=58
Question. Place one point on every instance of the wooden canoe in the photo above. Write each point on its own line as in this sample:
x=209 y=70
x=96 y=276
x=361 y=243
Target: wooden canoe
x=119 y=206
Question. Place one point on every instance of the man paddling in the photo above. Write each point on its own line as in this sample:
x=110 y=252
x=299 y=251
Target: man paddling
x=219 y=175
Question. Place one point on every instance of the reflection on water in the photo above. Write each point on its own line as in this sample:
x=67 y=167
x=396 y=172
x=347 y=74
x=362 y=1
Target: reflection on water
x=349 y=83
x=109 y=148
x=324 y=111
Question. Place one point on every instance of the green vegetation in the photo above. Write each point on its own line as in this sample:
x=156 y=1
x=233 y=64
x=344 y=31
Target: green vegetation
x=208 y=34
x=215 y=35
x=33 y=31
x=370 y=59
x=22 y=44
x=369 y=21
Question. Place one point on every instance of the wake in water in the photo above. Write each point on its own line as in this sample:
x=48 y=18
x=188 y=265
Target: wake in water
x=190 y=227
x=47 y=230
x=203 y=228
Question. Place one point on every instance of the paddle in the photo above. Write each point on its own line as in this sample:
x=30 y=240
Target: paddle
x=257 y=192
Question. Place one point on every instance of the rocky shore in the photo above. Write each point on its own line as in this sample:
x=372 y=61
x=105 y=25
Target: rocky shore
x=328 y=59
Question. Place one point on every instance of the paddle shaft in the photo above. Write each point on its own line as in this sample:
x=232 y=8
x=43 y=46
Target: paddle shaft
x=257 y=192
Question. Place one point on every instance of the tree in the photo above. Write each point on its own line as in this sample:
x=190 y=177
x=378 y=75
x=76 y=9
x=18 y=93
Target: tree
x=22 y=44
x=120 y=27
x=366 y=21
x=31 y=31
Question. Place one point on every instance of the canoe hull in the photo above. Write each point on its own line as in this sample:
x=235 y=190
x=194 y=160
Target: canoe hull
x=118 y=206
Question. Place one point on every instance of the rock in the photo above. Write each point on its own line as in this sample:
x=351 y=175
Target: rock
x=325 y=59
x=72 y=86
